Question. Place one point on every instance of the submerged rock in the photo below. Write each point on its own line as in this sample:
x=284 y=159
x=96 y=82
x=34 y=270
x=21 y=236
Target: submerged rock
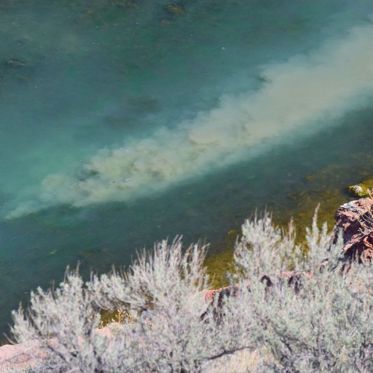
x=17 y=68
x=175 y=9
x=362 y=189
x=14 y=63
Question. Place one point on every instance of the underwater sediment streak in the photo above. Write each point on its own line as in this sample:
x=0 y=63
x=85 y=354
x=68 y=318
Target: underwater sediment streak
x=297 y=94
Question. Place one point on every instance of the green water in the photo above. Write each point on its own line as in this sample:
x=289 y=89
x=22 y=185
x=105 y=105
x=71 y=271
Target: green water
x=125 y=122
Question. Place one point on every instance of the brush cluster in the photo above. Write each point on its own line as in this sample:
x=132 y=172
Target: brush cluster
x=319 y=322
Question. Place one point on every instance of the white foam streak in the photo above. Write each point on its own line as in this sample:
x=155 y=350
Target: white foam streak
x=295 y=94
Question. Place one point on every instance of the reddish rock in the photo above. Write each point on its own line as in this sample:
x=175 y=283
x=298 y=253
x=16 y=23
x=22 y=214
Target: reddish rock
x=20 y=357
x=23 y=356
x=220 y=292
x=355 y=221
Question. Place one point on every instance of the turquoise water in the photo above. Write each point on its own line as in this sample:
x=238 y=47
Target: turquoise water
x=124 y=122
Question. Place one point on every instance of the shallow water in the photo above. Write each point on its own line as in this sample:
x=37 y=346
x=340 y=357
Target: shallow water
x=124 y=122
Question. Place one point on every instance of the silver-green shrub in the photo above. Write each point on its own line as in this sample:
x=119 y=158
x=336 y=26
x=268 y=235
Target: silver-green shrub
x=323 y=324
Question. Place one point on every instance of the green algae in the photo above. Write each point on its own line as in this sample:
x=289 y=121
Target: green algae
x=363 y=189
x=218 y=264
x=109 y=317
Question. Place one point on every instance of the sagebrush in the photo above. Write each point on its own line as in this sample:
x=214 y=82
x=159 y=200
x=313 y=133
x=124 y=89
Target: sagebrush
x=321 y=323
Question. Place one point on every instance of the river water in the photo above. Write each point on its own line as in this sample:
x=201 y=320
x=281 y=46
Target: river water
x=128 y=121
